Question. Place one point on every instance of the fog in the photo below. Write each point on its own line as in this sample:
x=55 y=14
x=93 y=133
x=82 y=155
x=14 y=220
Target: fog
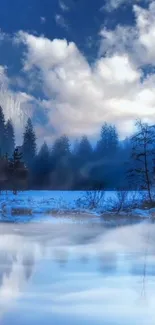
x=77 y=274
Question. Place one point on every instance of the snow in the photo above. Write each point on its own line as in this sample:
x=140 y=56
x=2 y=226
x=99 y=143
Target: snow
x=37 y=204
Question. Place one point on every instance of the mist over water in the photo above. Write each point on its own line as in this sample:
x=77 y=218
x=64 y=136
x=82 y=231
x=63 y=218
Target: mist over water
x=77 y=274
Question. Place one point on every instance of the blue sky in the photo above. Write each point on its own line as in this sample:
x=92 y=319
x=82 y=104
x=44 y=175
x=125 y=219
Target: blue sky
x=71 y=65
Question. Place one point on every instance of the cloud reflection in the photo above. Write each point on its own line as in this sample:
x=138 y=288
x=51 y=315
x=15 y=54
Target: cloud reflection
x=101 y=280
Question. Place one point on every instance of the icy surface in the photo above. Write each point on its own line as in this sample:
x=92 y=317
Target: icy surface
x=77 y=274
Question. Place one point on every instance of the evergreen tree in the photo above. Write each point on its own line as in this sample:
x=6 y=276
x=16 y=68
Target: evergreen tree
x=17 y=156
x=2 y=133
x=84 y=151
x=61 y=148
x=108 y=144
x=75 y=147
x=106 y=155
x=42 y=167
x=83 y=163
x=61 y=163
x=17 y=172
x=10 y=138
x=29 y=144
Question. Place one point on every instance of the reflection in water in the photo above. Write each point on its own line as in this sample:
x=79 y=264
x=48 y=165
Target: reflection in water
x=28 y=263
x=61 y=256
x=104 y=274
x=6 y=261
x=16 y=266
x=108 y=262
x=84 y=259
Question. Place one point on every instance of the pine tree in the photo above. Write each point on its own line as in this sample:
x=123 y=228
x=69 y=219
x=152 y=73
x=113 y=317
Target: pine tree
x=84 y=151
x=42 y=168
x=61 y=148
x=75 y=147
x=17 y=156
x=83 y=163
x=108 y=143
x=44 y=152
x=29 y=144
x=105 y=165
x=10 y=138
x=2 y=133
x=61 y=163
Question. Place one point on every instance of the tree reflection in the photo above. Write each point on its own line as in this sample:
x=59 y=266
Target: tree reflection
x=16 y=268
x=108 y=262
x=60 y=256
x=28 y=263
x=6 y=262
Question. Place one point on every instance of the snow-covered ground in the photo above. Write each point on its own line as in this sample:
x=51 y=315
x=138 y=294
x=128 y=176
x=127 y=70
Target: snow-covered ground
x=77 y=274
x=38 y=204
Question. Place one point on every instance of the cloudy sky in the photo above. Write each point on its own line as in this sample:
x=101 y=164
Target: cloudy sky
x=71 y=65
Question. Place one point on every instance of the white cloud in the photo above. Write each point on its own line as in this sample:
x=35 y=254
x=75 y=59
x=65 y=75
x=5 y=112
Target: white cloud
x=111 y=5
x=138 y=40
x=43 y=20
x=120 y=40
x=3 y=35
x=61 y=21
x=117 y=69
x=63 y=6
x=81 y=97
x=146 y=31
x=16 y=105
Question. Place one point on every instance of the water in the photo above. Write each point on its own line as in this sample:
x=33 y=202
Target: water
x=77 y=274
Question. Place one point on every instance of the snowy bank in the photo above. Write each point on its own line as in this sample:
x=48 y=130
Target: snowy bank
x=38 y=204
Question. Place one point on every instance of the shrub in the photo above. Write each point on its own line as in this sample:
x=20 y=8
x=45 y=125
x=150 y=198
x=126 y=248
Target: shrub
x=91 y=199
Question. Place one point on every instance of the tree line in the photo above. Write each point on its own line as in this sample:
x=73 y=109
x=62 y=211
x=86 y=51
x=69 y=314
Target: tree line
x=109 y=164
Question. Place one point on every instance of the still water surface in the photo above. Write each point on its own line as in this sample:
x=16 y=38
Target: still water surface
x=77 y=274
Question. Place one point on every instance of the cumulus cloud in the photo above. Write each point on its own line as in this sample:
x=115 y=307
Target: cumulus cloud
x=77 y=97
x=13 y=103
x=43 y=20
x=111 y=5
x=80 y=97
x=146 y=31
x=16 y=105
x=63 y=6
x=60 y=20
x=137 y=41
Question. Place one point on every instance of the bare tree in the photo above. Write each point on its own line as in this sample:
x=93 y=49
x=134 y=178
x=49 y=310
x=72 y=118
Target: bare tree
x=120 y=200
x=95 y=198
x=92 y=199
x=143 y=154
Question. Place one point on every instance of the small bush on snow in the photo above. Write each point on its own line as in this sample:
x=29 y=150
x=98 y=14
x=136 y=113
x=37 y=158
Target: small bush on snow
x=123 y=200
x=91 y=199
x=146 y=203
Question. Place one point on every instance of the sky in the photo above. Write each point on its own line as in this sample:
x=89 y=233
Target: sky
x=72 y=65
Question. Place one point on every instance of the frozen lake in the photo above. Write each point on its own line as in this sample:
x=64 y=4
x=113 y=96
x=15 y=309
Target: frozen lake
x=78 y=274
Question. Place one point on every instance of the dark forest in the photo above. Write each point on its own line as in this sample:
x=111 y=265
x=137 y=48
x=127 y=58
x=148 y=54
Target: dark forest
x=110 y=164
